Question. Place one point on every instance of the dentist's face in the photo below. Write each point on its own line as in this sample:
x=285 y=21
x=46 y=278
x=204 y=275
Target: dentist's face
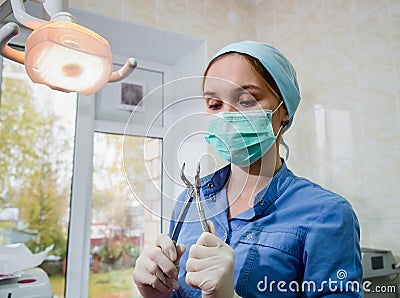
x=232 y=85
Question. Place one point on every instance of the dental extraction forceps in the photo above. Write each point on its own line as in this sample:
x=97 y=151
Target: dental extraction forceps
x=193 y=192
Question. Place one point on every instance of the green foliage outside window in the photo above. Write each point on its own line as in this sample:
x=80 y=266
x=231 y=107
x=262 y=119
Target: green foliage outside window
x=33 y=164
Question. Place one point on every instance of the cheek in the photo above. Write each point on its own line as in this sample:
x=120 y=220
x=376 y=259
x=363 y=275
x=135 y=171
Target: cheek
x=276 y=122
x=268 y=103
x=211 y=111
x=276 y=126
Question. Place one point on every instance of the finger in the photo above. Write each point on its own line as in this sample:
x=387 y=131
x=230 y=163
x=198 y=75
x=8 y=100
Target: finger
x=211 y=227
x=191 y=280
x=200 y=280
x=180 y=250
x=196 y=265
x=153 y=269
x=167 y=246
x=202 y=252
x=162 y=261
x=210 y=240
x=172 y=283
x=145 y=275
x=147 y=279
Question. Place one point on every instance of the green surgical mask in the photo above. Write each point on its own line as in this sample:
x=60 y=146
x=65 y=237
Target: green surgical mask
x=241 y=138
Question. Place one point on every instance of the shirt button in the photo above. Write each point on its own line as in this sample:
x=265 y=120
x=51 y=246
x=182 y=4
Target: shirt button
x=213 y=199
x=210 y=185
x=249 y=236
x=261 y=202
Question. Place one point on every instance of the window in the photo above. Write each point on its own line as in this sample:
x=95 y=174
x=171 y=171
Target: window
x=120 y=225
x=37 y=128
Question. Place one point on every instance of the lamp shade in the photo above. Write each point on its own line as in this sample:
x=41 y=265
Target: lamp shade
x=66 y=56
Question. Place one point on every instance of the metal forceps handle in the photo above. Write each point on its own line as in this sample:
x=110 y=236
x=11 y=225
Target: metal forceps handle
x=200 y=210
x=193 y=192
x=182 y=215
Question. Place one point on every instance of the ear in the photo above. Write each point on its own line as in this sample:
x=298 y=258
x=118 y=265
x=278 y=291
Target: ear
x=284 y=123
x=285 y=118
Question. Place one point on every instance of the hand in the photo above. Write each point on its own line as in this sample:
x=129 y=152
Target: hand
x=157 y=268
x=210 y=266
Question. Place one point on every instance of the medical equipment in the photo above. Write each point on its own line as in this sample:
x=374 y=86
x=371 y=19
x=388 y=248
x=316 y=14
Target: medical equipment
x=193 y=192
x=381 y=273
x=378 y=262
x=60 y=53
x=33 y=283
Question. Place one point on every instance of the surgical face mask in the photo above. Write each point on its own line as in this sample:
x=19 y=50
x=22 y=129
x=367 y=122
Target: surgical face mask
x=241 y=138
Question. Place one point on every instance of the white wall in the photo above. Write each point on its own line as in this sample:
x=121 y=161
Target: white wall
x=346 y=133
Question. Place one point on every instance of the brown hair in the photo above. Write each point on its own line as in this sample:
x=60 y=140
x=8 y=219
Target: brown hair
x=260 y=70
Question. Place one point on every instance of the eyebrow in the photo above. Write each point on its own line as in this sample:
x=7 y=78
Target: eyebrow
x=209 y=93
x=247 y=87
x=238 y=89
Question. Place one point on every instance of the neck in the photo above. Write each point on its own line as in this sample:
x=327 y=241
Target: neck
x=248 y=181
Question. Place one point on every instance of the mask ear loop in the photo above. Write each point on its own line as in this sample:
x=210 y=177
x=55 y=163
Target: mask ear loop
x=282 y=141
x=251 y=205
x=277 y=107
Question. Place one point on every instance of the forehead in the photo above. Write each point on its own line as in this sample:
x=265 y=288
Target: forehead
x=234 y=68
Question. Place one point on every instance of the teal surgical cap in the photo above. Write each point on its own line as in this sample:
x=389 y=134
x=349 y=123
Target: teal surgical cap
x=277 y=65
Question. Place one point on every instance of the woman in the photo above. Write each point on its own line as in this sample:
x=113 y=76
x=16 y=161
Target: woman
x=271 y=233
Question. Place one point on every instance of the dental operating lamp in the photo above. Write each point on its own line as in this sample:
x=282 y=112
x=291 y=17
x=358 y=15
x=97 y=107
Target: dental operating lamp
x=61 y=53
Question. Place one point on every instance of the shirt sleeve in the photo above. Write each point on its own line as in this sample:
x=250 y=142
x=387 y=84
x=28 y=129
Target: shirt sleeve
x=332 y=255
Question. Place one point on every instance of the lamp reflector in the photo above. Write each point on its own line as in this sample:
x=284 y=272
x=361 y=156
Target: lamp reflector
x=68 y=57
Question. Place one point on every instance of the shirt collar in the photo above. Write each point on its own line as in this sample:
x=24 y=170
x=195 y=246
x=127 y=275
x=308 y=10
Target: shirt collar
x=276 y=187
x=215 y=182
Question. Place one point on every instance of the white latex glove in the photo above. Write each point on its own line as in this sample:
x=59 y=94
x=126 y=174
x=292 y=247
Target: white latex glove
x=157 y=268
x=210 y=266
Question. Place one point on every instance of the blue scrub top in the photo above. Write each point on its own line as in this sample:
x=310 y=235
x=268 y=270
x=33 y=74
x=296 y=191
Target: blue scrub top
x=298 y=240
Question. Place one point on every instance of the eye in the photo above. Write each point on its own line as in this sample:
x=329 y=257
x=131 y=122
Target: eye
x=213 y=103
x=247 y=100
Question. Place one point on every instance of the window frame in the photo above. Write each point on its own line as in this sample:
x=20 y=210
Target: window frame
x=78 y=255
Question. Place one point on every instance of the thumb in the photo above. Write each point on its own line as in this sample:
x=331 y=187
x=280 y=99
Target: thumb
x=180 y=250
x=211 y=227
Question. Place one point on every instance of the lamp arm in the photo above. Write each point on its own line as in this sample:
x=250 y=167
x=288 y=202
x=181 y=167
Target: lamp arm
x=124 y=71
x=23 y=17
x=7 y=32
x=53 y=7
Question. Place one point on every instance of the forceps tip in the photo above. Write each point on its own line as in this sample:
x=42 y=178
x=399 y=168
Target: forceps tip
x=184 y=178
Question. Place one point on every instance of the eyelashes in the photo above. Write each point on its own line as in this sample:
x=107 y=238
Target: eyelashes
x=243 y=101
